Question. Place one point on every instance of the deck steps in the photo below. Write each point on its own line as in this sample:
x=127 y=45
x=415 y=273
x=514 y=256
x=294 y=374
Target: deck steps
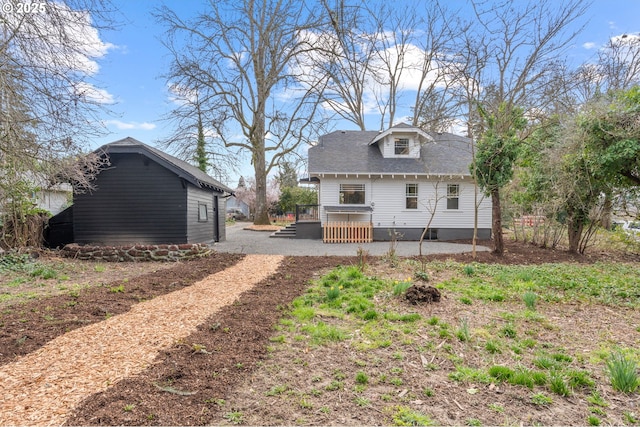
x=289 y=232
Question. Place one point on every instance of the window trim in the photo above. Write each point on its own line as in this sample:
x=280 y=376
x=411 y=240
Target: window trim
x=344 y=189
x=405 y=149
x=453 y=196
x=408 y=196
x=201 y=217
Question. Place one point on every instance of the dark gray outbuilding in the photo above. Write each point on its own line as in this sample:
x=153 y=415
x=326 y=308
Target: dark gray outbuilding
x=147 y=196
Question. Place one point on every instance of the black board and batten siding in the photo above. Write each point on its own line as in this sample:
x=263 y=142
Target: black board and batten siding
x=135 y=201
x=146 y=196
x=199 y=227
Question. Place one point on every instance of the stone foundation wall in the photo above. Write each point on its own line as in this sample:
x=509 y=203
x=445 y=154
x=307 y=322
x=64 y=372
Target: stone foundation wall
x=136 y=252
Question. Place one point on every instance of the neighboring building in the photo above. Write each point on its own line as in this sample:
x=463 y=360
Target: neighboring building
x=238 y=205
x=395 y=180
x=146 y=196
x=54 y=198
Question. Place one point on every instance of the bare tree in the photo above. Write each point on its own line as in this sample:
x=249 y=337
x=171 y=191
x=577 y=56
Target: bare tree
x=49 y=106
x=432 y=208
x=194 y=137
x=244 y=54
x=343 y=54
x=374 y=53
x=619 y=62
x=392 y=56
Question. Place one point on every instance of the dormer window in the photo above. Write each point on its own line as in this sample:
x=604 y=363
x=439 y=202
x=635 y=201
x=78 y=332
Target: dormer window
x=401 y=146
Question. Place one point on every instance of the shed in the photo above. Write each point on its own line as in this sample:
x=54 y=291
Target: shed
x=150 y=197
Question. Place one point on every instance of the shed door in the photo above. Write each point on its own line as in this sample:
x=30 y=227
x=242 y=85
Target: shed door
x=216 y=220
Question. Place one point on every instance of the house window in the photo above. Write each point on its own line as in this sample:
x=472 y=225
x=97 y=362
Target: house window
x=202 y=212
x=411 y=196
x=453 y=196
x=352 y=194
x=402 y=146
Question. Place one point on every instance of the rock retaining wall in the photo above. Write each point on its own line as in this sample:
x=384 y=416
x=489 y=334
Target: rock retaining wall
x=136 y=252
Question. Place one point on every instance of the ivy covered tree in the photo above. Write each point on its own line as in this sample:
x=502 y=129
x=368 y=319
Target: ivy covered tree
x=495 y=155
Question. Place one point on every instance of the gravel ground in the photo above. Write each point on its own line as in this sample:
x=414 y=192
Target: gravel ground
x=258 y=242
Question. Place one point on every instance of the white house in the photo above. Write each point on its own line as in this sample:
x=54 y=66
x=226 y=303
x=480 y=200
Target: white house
x=396 y=181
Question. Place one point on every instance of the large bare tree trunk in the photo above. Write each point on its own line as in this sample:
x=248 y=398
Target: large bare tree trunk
x=262 y=210
x=496 y=224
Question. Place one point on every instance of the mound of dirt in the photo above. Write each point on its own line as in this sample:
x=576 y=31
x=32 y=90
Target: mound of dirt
x=422 y=294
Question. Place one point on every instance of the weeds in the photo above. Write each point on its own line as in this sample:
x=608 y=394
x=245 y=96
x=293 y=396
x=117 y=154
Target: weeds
x=463 y=333
x=362 y=378
x=469 y=270
x=422 y=275
x=558 y=385
x=541 y=399
x=405 y=416
x=623 y=373
x=234 y=417
x=400 y=288
x=529 y=299
x=592 y=420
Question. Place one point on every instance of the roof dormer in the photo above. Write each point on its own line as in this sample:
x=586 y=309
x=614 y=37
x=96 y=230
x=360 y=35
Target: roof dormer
x=401 y=141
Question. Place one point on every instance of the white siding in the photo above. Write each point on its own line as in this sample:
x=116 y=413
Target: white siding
x=329 y=195
x=387 y=197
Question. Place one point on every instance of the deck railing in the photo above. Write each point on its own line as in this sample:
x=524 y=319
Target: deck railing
x=347 y=232
x=307 y=213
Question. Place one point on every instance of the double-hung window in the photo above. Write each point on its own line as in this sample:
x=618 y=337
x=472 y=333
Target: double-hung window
x=401 y=146
x=453 y=196
x=352 y=194
x=411 y=196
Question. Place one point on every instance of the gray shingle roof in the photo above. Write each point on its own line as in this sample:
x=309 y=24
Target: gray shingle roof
x=181 y=168
x=349 y=152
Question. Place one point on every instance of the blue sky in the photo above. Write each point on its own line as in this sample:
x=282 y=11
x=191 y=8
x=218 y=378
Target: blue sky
x=131 y=71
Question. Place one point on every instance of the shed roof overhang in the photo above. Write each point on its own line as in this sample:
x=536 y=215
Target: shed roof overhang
x=348 y=209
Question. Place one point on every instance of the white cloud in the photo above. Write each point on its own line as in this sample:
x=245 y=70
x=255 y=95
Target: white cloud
x=626 y=39
x=589 y=45
x=130 y=125
x=62 y=39
x=92 y=93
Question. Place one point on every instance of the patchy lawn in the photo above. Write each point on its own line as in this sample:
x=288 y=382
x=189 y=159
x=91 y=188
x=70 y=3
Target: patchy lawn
x=519 y=339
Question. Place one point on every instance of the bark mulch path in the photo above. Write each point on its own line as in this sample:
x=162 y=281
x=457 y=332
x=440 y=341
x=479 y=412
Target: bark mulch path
x=44 y=386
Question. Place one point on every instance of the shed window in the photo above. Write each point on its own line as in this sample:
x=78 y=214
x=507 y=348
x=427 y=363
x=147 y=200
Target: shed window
x=352 y=194
x=453 y=196
x=411 y=196
x=401 y=146
x=202 y=212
